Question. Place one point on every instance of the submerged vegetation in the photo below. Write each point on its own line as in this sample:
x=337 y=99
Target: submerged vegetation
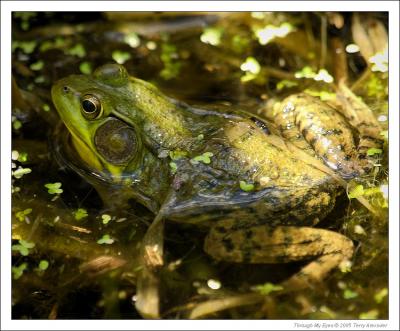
x=77 y=257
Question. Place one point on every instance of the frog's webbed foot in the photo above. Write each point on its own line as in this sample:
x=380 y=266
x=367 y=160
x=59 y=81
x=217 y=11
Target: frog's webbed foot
x=281 y=244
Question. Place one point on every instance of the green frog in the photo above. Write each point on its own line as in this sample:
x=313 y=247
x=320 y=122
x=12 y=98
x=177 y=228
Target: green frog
x=259 y=185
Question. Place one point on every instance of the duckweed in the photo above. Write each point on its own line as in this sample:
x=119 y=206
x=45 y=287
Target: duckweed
x=85 y=68
x=37 y=65
x=17 y=124
x=176 y=155
x=349 y=294
x=21 y=172
x=23 y=247
x=251 y=67
x=78 y=50
x=43 y=265
x=369 y=315
x=204 y=158
x=173 y=167
x=212 y=36
x=267 y=288
x=21 y=215
x=373 y=151
x=356 y=192
x=54 y=188
x=105 y=218
x=132 y=39
x=247 y=187
x=381 y=294
x=106 y=239
x=169 y=56
x=120 y=56
x=80 y=213
x=18 y=271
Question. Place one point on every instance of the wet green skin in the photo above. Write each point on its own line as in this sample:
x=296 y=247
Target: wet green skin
x=146 y=144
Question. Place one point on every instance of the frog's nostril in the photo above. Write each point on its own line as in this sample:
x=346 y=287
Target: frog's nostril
x=65 y=89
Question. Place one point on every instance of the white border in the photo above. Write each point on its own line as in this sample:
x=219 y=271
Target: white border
x=7 y=7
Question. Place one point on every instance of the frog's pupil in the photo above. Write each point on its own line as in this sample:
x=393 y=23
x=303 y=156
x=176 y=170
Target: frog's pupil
x=88 y=106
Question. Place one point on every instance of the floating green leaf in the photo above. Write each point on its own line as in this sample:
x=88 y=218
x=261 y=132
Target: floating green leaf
x=132 y=39
x=37 y=65
x=85 y=68
x=120 y=56
x=285 y=84
x=267 y=288
x=251 y=67
x=211 y=36
x=43 y=265
x=204 y=158
x=356 y=192
x=20 y=172
x=26 y=46
x=169 y=57
x=176 y=155
x=373 y=151
x=323 y=95
x=380 y=295
x=247 y=187
x=80 y=213
x=349 y=294
x=23 y=157
x=105 y=218
x=306 y=72
x=17 y=124
x=23 y=247
x=54 y=188
x=173 y=167
x=19 y=270
x=78 y=50
x=369 y=315
x=106 y=239
x=270 y=32
x=22 y=214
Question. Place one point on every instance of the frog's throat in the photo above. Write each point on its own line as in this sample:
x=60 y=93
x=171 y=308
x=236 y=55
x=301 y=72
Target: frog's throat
x=91 y=159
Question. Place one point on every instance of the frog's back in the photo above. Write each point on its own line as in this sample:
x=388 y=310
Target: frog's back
x=285 y=188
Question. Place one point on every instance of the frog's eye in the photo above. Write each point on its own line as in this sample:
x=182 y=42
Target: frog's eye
x=91 y=107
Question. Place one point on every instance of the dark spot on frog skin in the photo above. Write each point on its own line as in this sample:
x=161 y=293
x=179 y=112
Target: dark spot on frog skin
x=288 y=238
x=334 y=132
x=220 y=229
x=249 y=234
x=313 y=141
x=374 y=140
x=228 y=244
x=261 y=124
x=247 y=255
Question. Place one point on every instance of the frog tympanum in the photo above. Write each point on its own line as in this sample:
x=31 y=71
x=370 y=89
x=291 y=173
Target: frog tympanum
x=260 y=185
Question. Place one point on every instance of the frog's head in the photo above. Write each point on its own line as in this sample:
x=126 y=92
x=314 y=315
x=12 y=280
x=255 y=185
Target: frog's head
x=87 y=105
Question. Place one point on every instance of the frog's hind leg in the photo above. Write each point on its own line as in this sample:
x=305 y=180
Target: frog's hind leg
x=282 y=244
x=322 y=131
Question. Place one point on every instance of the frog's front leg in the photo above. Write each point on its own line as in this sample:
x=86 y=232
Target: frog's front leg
x=281 y=244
